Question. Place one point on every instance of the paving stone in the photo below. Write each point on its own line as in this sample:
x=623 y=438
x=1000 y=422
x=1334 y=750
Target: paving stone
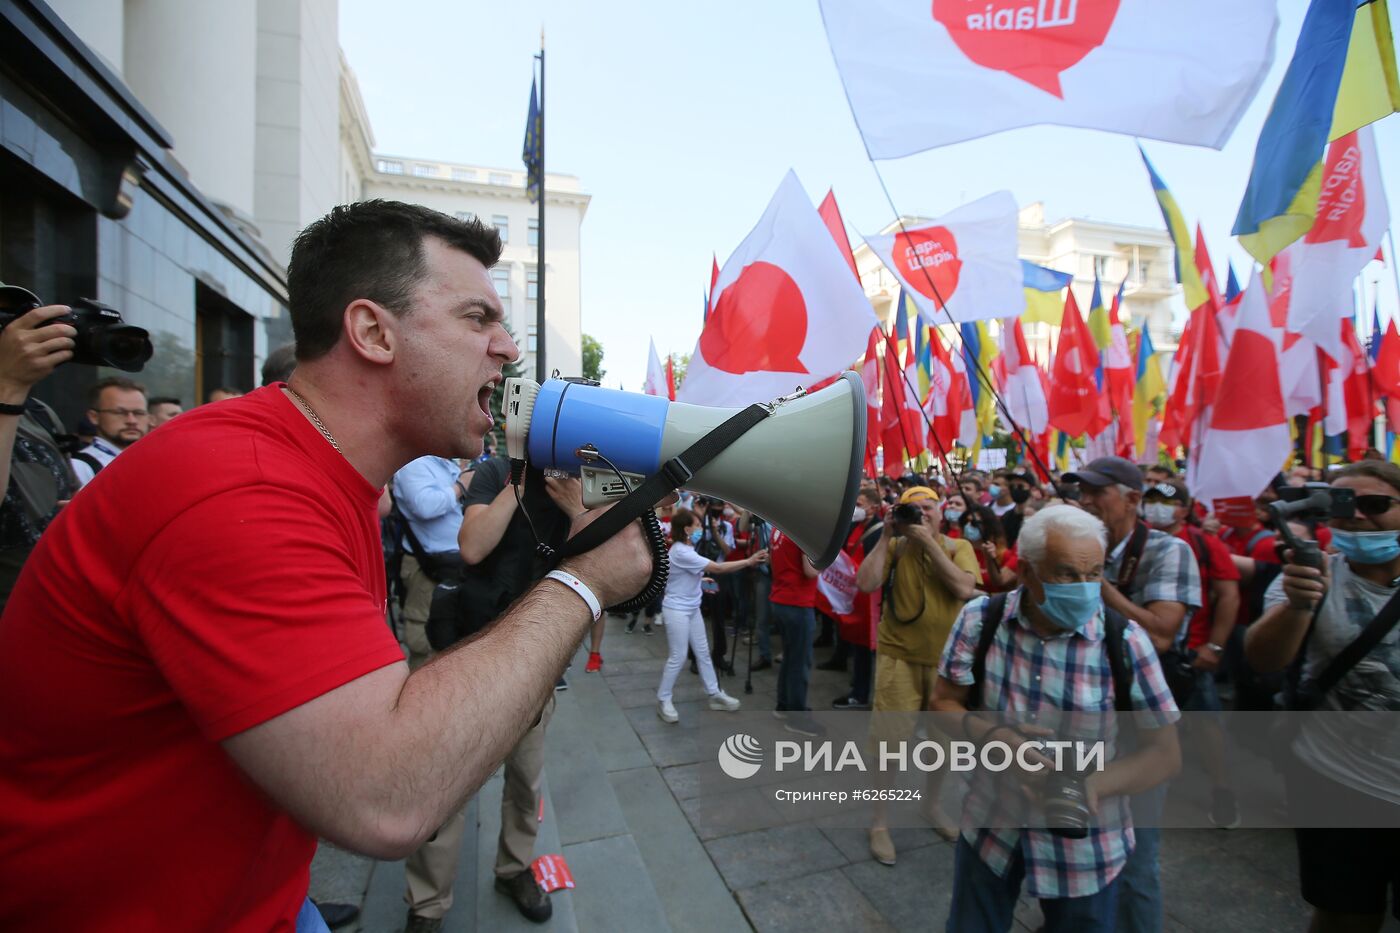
x=613 y=890
x=912 y=894
x=1225 y=892
x=777 y=854
x=677 y=748
x=494 y=911
x=584 y=805
x=855 y=843
x=670 y=850
x=739 y=811
x=825 y=901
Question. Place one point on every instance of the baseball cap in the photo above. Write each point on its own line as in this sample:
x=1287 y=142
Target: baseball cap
x=1105 y=471
x=1173 y=490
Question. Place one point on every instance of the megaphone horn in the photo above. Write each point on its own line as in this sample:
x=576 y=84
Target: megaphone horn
x=799 y=468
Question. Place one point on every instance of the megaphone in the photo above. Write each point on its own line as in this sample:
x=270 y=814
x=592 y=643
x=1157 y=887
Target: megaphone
x=799 y=468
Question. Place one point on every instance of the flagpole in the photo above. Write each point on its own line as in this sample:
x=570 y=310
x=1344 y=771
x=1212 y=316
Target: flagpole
x=1394 y=274
x=541 y=364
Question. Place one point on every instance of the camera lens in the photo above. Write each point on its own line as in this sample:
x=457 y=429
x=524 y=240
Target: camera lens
x=1066 y=806
x=124 y=346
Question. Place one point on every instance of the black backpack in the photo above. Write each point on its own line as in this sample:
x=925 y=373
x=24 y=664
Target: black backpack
x=1114 y=627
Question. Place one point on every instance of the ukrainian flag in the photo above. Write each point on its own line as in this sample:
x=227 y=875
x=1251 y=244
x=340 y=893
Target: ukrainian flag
x=1044 y=303
x=1186 y=272
x=1370 y=88
x=1098 y=318
x=1280 y=201
x=1147 y=393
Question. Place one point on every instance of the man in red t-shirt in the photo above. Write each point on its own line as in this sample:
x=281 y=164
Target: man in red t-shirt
x=793 y=600
x=195 y=671
x=1165 y=506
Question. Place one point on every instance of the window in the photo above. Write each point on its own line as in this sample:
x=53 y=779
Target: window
x=501 y=279
x=532 y=290
x=465 y=216
x=499 y=178
x=1146 y=270
x=424 y=171
x=464 y=174
x=1101 y=266
x=531 y=341
x=502 y=224
x=390 y=167
x=533 y=233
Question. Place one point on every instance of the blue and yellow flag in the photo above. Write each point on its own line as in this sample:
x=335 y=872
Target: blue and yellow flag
x=1044 y=303
x=534 y=150
x=1370 y=88
x=1098 y=317
x=1232 y=284
x=1187 y=274
x=923 y=355
x=1147 y=393
x=1280 y=201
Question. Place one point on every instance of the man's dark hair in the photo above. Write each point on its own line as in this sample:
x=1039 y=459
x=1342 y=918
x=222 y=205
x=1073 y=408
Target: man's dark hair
x=1382 y=470
x=164 y=400
x=373 y=250
x=120 y=382
x=279 y=364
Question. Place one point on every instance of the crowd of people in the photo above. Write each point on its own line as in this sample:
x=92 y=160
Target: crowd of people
x=212 y=656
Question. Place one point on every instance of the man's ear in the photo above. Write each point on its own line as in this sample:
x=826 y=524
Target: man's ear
x=372 y=331
x=92 y=415
x=1025 y=570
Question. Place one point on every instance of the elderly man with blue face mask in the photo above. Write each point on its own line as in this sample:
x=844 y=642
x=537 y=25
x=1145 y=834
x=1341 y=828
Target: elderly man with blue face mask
x=1052 y=651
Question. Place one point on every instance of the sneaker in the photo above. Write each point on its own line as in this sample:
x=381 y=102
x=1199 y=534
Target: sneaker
x=780 y=714
x=667 y=711
x=848 y=703
x=417 y=924
x=647 y=629
x=762 y=664
x=561 y=684
x=1224 y=812
x=632 y=626
x=724 y=702
x=804 y=725
x=595 y=663
x=530 y=899
x=337 y=915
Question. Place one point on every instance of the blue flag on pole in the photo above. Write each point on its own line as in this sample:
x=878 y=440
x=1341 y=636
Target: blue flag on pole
x=533 y=153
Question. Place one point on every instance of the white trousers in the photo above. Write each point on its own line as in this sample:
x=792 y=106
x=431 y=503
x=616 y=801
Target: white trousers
x=686 y=628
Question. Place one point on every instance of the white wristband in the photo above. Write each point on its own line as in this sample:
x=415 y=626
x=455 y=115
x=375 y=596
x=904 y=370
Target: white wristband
x=579 y=587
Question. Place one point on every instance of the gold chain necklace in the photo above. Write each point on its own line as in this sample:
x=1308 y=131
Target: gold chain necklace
x=315 y=419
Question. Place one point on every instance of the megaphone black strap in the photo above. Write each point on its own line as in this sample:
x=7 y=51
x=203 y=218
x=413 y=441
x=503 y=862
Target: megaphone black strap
x=674 y=474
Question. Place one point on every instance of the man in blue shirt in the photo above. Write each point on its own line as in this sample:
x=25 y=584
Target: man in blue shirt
x=429 y=492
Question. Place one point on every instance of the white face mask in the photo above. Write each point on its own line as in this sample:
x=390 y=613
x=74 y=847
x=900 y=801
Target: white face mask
x=858 y=515
x=1159 y=514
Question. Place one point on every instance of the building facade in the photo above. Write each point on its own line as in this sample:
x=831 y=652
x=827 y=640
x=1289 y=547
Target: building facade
x=161 y=155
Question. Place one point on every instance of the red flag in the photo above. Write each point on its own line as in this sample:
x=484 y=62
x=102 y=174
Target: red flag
x=949 y=402
x=1197 y=378
x=891 y=412
x=1358 y=395
x=1072 y=402
x=1386 y=371
x=913 y=412
x=870 y=377
x=670 y=378
x=1203 y=265
x=831 y=216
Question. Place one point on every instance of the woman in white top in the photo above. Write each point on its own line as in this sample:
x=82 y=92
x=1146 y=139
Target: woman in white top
x=681 y=609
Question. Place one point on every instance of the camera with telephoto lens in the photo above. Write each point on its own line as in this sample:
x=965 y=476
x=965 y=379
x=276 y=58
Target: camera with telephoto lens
x=1066 y=805
x=1315 y=501
x=907 y=513
x=103 y=338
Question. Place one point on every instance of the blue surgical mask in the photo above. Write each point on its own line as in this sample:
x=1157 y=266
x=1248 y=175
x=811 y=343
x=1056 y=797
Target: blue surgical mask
x=994 y=490
x=1070 y=606
x=696 y=535
x=1367 y=547
x=953 y=515
x=972 y=533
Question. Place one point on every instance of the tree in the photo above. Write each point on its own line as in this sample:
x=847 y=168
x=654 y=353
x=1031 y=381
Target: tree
x=497 y=435
x=679 y=365
x=593 y=359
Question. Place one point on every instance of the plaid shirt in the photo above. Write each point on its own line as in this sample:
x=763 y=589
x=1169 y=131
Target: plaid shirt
x=1031 y=676
x=1168 y=570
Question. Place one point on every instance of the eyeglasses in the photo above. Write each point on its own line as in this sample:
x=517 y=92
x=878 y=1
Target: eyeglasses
x=123 y=412
x=1375 y=504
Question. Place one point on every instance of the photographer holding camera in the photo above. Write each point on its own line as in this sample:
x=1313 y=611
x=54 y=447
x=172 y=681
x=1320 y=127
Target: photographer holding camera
x=37 y=476
x=1054 y=643
x=198 y=647
x=926 y=578
x=1339 y=621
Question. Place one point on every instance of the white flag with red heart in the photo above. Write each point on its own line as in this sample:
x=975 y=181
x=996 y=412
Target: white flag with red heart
x=785 y=310
x=920 y=75
x=966 y=259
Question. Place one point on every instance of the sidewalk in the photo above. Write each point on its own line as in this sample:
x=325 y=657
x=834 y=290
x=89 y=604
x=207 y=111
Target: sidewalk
x=653 y=842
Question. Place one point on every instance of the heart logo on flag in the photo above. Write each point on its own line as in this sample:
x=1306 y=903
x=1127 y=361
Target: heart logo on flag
x=758 y=324
x=1035 y=42
x=929 y=254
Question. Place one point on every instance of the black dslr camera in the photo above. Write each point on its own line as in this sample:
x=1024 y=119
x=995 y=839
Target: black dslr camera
x=907 y=513
x=1316 y=501
x=103 y=338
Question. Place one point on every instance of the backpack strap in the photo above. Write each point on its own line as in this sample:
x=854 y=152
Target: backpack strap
x=991 y=620
x=1115 y=625
x=1132 y=556
x=1197 y=539
x=1254 y=540
x=90 y=460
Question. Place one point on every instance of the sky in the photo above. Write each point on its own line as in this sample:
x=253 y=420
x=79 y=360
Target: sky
x=680 y=120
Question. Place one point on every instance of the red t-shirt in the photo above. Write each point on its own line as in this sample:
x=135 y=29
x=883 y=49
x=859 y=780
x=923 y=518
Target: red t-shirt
x=1218 y=566
x=223 y=570
x=791 y=585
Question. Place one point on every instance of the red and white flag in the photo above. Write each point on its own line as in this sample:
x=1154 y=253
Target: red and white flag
x=1024 y=392
x=920 y=75
x=785 y=310
x=656 y=376
x=870 y=378
x=966 y=258
x=1073 y=398
x=952 y=419
x=1352 y=217
x=893 y=434
x=1247 y=440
